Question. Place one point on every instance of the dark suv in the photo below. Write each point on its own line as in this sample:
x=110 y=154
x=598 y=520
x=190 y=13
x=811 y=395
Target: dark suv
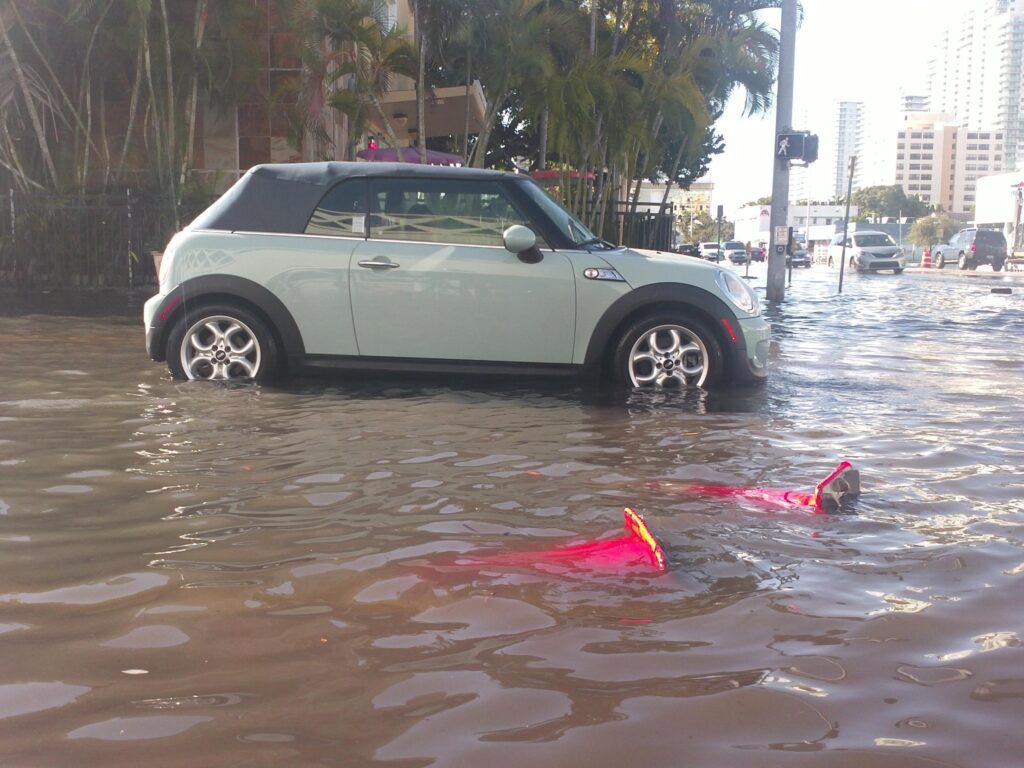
x=971 y=247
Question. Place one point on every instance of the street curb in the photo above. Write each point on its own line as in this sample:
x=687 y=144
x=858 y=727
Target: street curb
x=948 y=274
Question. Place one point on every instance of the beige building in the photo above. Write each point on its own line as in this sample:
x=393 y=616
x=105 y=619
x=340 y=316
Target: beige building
x=257 y=130
x=940 y=162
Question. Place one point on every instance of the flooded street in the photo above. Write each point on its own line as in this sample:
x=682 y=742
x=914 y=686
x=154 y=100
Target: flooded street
x=204 y=575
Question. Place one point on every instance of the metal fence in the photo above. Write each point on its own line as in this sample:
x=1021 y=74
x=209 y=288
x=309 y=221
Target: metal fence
x=87 y=241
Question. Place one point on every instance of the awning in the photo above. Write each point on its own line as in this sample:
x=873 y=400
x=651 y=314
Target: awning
x=409 y=155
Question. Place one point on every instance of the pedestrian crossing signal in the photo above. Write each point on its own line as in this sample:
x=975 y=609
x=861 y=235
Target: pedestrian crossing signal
x=799 y=146
x=371 y=142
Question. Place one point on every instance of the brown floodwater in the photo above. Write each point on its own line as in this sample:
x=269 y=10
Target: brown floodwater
x=205 y=575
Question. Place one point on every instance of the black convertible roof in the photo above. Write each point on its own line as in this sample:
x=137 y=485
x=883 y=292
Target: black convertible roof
x=281 y=197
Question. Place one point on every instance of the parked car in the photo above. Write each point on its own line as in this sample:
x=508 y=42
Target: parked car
x=735 y=251
x=402 y=267
x=971 y=247
x=799 y=258
x=757 y=253
x=711 y=251
x=688 y=249
x=867 y=251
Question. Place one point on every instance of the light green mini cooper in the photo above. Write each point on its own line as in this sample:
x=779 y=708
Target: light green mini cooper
x=401 y=267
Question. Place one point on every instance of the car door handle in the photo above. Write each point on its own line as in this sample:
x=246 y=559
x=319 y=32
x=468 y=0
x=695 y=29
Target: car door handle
x=380 y=262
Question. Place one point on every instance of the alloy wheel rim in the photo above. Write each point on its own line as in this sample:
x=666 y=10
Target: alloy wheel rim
x=220 y=348
x=668 y=356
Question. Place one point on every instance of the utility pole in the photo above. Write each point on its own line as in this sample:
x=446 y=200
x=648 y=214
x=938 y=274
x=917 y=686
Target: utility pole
x=776 y=288
x=846 y=220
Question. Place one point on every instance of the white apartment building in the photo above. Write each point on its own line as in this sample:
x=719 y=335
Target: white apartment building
x=940 y=161
x=977 y=73
x=849 y=129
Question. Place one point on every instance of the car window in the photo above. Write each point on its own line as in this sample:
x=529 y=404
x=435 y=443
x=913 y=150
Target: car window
x=441 y=211
x=568 y=224
x=873 y=239
x=341 y=212
x=990 y=237
x=735 y=245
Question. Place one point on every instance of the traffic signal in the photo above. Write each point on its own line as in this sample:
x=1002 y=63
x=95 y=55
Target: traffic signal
x=789 y=146
x=810 y=153
x=797 y=146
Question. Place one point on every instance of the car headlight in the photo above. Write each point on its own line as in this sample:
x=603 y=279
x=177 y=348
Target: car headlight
x=738 y=292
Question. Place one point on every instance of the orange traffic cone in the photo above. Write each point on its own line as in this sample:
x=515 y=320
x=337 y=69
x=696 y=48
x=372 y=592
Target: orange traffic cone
x=926 y=259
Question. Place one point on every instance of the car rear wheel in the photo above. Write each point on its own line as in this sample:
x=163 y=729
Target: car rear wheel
x=221 y=343
x=898 y=270
x=997 y=264
x=962 y=262
x=670 y=350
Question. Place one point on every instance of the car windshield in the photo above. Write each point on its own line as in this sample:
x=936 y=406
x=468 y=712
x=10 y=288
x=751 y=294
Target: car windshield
x=873 y=240
x=569 y=225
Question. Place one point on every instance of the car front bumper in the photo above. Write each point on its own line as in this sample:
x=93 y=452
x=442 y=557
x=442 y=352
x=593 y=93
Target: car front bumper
x=154 y=319
x=750 y=363
x=880 y=263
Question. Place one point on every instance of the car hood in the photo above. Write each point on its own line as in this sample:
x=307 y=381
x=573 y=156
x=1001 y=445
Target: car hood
x=642 y=267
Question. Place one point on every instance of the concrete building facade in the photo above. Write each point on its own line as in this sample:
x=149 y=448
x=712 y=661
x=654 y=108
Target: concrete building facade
x=940 y=161
x=977 y=73
x=753 y=221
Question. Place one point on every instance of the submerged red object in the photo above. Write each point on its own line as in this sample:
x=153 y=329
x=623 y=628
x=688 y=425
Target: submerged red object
x=636 y=549
x=840 y=484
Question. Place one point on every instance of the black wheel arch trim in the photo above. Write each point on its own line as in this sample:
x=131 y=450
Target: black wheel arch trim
x=646 y=299
x=205 y=289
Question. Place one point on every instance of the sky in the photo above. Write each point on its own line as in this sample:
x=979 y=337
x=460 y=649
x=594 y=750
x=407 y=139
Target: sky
x=849 y=51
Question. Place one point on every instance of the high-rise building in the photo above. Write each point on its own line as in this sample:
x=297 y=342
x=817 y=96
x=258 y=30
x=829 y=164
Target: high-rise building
x=849 y=127
x=978 y=72
x=940 y=161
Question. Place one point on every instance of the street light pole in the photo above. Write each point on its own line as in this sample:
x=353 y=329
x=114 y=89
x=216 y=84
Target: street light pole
x=776 y=287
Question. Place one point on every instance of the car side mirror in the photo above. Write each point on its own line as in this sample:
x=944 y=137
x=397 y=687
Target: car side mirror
x=522 y=241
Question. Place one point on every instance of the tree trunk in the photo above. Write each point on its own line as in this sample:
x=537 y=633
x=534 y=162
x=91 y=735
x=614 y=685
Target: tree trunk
x=133 y=108
x=542 y=160
x=171 y=121
x=153 y=109
x=186 y=160
x=392 y=138
x=37 y=123
x=421 y=93
x=469 y=83
x=480 y=150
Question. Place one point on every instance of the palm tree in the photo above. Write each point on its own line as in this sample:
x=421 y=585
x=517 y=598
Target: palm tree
x=355 y=60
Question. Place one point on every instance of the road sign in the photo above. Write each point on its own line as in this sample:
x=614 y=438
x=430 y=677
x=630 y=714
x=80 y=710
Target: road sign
x=781 y=235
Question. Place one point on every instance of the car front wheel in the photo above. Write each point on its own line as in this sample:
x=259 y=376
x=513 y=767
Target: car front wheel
x=221 y=343
x=940 y=261
x=668 y=351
